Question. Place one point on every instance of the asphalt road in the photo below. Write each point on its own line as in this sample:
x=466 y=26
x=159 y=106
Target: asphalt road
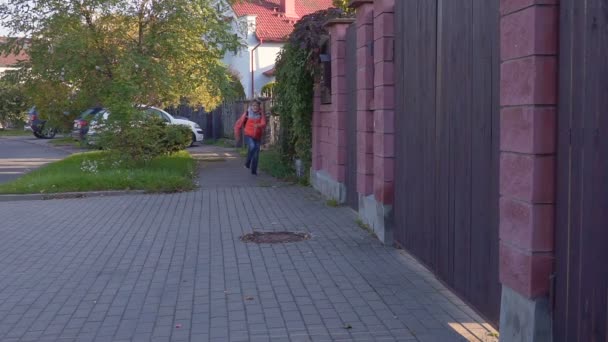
x=19 y=155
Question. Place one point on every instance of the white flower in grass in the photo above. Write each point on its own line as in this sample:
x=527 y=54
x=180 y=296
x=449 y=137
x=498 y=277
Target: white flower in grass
x=89 y=166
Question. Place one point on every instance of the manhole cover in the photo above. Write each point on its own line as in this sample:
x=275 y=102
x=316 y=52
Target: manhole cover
x=275 y=237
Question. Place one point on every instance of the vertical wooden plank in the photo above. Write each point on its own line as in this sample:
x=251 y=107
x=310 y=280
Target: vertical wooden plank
x=401 y=19
x=413 y=238
x=417 y=234
x=407 y=81
x=585 y=265
x=564 y=175
x=351 y=107
x=449 y=79
x=601 y=186
x=577 y=160
x=459 y=96
x=484 y=223
x=447 y=91
x=495 y=286
x=409 y=121
x=426 y=146
x=593 y=230
x=580 y=308
x=443 y=160
x=399 y=80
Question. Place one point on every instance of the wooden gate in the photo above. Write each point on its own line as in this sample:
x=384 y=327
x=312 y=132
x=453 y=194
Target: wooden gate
x=352 y=197
x=581 y=298
x=446 y=195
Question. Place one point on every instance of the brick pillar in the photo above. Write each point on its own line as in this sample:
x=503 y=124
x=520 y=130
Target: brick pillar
x=337 y=30
x=384 y=101
x=365 y=97
x=328 y=173
x=375 y=114
x=528 y=97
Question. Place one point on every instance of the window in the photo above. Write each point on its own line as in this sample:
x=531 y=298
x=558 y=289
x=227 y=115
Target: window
x=157 y=113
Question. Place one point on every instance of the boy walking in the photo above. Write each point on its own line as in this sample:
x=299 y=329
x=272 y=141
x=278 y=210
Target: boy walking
x=254 y=122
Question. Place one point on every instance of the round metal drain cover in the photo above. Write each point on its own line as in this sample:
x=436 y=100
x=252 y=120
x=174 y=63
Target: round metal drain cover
x=275 y=237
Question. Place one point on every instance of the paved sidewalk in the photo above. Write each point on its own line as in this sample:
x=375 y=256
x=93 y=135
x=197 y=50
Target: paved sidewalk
x=172 y=268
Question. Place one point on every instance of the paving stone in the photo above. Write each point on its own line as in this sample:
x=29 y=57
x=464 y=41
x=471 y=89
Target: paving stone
x=171 y=267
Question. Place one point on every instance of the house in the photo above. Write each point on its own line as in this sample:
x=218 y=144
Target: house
x=8 y=62
x=263 y=26
x=474 y=137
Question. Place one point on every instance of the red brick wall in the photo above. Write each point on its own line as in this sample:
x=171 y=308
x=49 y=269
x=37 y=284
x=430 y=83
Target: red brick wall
x=375 y=103
x=528 y=97
x=329 y=120
x=384 y=101
x=365 y=99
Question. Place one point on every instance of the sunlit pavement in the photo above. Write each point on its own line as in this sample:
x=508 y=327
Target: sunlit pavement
x=172 y=267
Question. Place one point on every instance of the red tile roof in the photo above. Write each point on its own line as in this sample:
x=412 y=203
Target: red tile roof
x=271 y=25
x=12 y=59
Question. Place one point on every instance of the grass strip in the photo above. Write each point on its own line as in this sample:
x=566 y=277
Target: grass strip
x=98 y=171
x=14 y=133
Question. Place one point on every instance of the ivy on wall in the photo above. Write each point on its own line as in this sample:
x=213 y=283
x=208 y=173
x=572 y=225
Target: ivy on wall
x=343 y=4
x=297 y=69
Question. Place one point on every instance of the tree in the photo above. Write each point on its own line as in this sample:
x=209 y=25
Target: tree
x=121 y=52
x=343 y=5
x=12 y=102
x=297 y=68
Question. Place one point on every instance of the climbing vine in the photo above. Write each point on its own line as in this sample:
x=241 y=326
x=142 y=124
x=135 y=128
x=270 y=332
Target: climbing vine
x=297 y=68
x=343 y=5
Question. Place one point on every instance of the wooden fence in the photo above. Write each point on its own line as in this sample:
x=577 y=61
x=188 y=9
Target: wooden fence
x=581 y=279
x=219 y=123
x=446 y=166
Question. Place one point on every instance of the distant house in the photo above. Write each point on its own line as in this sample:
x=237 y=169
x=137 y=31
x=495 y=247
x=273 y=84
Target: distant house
x=263 y=26
x=9 y=62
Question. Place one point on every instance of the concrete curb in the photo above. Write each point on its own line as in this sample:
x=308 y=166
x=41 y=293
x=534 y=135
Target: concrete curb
x=67 y=195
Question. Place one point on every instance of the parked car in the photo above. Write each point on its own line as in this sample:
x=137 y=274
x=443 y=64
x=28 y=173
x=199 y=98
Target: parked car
x=87 y=124
x=39 y=127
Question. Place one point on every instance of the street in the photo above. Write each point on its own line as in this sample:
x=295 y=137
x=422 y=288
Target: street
x=19 y=155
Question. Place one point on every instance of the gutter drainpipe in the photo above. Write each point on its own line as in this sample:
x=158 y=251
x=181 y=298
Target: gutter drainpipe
x=252 y=68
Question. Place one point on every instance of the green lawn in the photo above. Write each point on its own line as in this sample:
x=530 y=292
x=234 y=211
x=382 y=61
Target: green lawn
x=13 y=132
x=94 y=171
x=66 y=141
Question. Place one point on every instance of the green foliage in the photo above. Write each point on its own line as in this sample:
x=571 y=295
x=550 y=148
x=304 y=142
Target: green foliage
x=294 y=94
x=177 y=138
x=271 y=163
x=19 y=132
x=343 y=5
x=366 y=227
x=309 y=34
x=101 y=170
x=268 y=89
x=66 y=141
x=143 y=139
x=235 y=90
x=13 y=107
x=332 y=203
x=297 y=67
x=119 y=52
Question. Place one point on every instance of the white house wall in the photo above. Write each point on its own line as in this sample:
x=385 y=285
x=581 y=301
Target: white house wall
x=264 y=59
x=264 y=56
x=5 y=69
